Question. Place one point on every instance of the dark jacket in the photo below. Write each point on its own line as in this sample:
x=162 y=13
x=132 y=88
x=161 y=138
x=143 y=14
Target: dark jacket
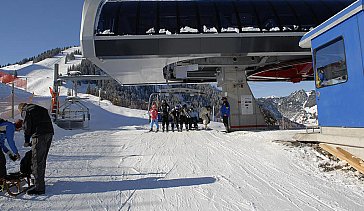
x=164 y=109
x=175 y=114
x=225 y=109
x=36 y=121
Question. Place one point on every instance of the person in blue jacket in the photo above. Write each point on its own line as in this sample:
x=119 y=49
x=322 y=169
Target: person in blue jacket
x=225 y=113
x=7 y=130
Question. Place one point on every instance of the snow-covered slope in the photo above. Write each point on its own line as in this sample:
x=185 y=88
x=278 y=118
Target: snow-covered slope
x=40 y=75
x=39 y=78
x=118 y=165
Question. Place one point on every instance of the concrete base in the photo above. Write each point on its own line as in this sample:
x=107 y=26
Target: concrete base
x=254 y=128
x=349 y=139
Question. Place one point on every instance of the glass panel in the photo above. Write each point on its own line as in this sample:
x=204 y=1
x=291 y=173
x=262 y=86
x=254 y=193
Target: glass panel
x=304 y=14
x=127 y=18
x=168 y=18
x=208 y=18
x=330 y=64
x=266 y=15
x=321 y=12
x=147 y=18
x=336 y=6
x=228 y=16
x=108 y=19
x=121 y=18
x=188 y=17
x=286 y=15
x=332 y=5
x=248 y=19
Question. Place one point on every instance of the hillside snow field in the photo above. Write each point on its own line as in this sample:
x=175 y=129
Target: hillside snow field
x=117 y=165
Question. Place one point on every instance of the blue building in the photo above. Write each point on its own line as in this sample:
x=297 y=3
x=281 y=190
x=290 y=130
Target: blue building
x=338 y=58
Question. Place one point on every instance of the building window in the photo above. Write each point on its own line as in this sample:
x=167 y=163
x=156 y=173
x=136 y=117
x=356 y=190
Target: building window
x=330 y=64
x=127 y=18
x=148 y=18
x=168 y=18
x=107 y=24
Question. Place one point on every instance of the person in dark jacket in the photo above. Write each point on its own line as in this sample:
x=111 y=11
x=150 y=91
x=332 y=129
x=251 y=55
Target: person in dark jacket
x=184 y=118
x=225 y=113
x=174 y=114
x=165 y=115
x=38 y=127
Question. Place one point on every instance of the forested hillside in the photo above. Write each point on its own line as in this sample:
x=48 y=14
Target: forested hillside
x=279 y=110
x=137 y=96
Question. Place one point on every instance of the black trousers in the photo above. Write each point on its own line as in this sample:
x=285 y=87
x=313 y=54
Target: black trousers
x=225 y=120
x=165 y=122
x=183 y=120
x=2 y=164
x=174 y=122
x=193 y=122
x=40 y=149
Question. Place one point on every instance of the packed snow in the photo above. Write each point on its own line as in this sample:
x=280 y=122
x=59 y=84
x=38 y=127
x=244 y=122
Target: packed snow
x=117 y=165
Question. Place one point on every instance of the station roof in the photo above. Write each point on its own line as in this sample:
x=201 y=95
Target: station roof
x=213 y=16
x=340 y=17
x=146 y=42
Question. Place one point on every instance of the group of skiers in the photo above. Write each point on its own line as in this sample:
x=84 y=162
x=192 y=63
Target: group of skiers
x=180 y=117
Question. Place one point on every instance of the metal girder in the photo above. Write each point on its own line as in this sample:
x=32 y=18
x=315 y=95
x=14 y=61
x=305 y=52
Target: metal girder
x=85 y=78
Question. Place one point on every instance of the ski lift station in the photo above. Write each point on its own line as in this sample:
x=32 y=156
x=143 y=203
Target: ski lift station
x=197 y=41
x=233 y=42
x=338 y=55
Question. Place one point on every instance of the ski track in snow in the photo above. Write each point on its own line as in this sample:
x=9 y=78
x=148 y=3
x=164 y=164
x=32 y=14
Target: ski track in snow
x=195 y=170
x=117 y=165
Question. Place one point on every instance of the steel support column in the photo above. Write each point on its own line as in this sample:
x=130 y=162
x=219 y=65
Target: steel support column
x=244 y=112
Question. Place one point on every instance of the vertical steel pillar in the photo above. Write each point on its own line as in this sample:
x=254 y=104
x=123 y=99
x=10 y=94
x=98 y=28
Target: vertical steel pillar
x=55 y=93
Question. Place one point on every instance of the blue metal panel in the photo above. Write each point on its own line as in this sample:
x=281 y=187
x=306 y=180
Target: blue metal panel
x=361 y=34
x=342 y=105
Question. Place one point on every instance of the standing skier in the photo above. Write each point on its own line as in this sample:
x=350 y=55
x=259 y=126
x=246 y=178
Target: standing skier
x=174 y=114
x=225 y=113
x=205 y=115
x=165 y=115
x=184 y=117
x=154 y=117
x=194 y=118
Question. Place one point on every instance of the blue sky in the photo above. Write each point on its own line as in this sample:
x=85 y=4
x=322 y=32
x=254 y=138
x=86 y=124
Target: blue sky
x=30 y=27
x=264 y=89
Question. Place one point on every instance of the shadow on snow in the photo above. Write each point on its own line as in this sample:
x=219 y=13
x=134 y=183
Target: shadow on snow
x=82 y=187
